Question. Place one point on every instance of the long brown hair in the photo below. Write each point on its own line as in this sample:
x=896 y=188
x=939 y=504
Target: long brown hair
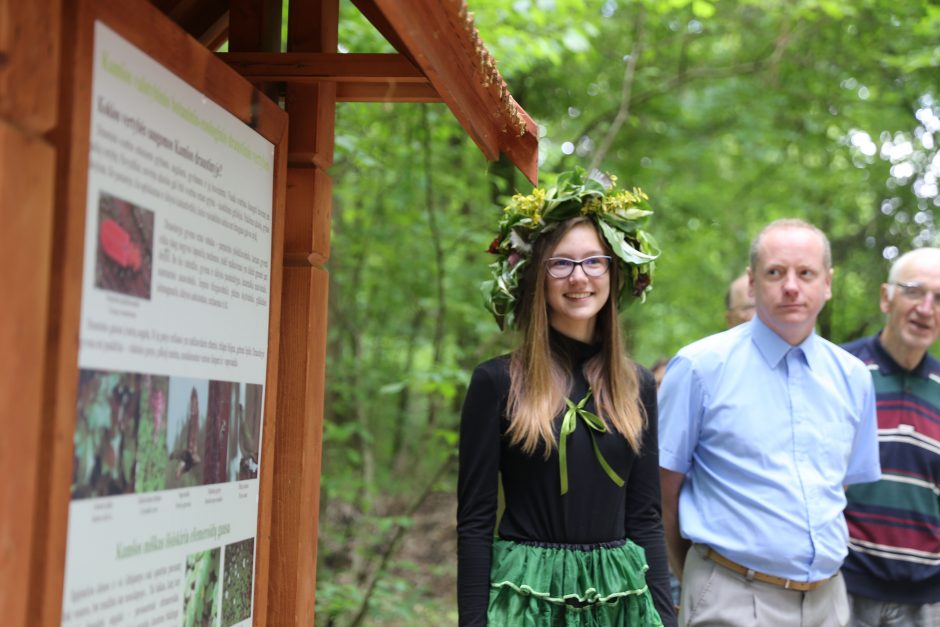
x=540 y=384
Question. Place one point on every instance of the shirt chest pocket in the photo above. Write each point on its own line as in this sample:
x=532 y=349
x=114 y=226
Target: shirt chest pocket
x=755 y=431
x=815 y=434
x=830 y=436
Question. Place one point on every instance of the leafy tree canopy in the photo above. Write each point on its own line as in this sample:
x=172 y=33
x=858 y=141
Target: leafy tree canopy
x=729 y=114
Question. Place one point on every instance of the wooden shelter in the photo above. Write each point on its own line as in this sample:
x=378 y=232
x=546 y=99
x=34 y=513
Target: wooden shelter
x=44 y=59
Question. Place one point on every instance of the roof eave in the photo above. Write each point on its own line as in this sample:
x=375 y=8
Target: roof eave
x=440 y=37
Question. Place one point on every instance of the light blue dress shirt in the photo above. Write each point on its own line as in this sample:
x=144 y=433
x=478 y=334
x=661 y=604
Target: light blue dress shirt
x=767 y=436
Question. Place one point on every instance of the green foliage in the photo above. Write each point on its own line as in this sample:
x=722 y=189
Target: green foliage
x=151 y=460
x=200 y=594
x=397 y=601
x=108 y=411
x=237 y=579
x=151 y=436
x=740 y=112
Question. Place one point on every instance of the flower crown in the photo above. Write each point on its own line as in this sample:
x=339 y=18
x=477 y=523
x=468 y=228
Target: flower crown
x=617 y=216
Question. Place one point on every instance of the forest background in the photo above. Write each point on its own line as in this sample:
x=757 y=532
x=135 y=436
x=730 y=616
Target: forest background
x=729 y=114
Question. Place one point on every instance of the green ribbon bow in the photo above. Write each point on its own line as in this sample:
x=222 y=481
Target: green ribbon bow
x=568 y=424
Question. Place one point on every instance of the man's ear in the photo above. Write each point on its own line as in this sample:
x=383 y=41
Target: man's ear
x=885 y=302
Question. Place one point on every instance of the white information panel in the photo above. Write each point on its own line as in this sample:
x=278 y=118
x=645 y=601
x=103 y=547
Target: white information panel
x=173 y=353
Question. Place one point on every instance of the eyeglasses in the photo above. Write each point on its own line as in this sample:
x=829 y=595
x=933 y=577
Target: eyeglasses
x=915 y=292
x=562 y=267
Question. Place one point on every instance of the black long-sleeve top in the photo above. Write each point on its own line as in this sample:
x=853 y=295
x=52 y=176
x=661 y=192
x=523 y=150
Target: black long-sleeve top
x=594 y=510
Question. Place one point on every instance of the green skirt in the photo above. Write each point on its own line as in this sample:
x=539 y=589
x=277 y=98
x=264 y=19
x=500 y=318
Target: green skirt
x=556 y=585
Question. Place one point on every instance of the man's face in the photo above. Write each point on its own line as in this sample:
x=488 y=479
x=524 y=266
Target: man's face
x=740 y=302
x=791 y=282
x=913 y=323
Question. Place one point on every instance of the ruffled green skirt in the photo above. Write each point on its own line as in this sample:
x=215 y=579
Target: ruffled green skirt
x=539 y=586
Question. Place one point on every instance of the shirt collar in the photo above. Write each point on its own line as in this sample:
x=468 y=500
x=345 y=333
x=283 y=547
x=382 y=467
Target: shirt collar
x=888 y=366
x=774 y=348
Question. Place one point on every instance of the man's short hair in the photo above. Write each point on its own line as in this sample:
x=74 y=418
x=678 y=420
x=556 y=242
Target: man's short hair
x=791 y=223
x=912 y=255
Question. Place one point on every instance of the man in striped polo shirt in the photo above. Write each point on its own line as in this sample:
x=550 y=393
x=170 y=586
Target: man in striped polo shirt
x=893 y=569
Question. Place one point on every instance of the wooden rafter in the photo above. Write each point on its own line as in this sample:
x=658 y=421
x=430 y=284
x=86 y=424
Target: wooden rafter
x=441 y=37
x=386 y=92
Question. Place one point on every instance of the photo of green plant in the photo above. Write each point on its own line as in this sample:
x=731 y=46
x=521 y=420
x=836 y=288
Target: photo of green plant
x=108 y=413
x=237 y=579
x=200 y=595
x=152 y=456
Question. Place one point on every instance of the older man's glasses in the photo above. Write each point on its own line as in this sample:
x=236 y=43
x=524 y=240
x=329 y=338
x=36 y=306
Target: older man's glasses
x=916 y=293
x=562 y=267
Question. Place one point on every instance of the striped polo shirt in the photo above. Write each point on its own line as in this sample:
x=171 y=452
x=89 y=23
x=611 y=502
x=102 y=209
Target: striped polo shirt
x=894 y=523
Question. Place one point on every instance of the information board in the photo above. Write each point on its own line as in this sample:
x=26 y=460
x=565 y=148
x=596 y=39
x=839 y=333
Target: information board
x=173 y=355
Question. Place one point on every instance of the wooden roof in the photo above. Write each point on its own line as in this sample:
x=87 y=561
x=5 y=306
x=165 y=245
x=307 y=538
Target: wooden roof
x=439 y=58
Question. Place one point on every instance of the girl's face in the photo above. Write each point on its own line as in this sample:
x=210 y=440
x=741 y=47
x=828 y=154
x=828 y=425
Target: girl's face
x=575 y=300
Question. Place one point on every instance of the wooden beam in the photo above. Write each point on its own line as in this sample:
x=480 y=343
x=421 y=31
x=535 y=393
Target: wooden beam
x=386 y=92
x=358 y=77
x=300 y=67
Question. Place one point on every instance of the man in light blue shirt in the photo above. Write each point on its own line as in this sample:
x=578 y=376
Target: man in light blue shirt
x=761 y=427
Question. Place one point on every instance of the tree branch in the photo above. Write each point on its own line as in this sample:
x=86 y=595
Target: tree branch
x=623 y=112
x=393 y=540
x=685 y=75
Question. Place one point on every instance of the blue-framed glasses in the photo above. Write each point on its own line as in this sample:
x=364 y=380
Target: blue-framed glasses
x=562 y=267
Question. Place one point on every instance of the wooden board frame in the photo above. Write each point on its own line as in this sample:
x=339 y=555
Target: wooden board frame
x=157 y=36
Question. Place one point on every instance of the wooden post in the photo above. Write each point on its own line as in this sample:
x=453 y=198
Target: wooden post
x=255 y=25
x=312 y=27
x=29 y=82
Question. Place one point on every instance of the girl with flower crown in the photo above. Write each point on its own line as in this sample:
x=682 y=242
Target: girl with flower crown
x=566 y=424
